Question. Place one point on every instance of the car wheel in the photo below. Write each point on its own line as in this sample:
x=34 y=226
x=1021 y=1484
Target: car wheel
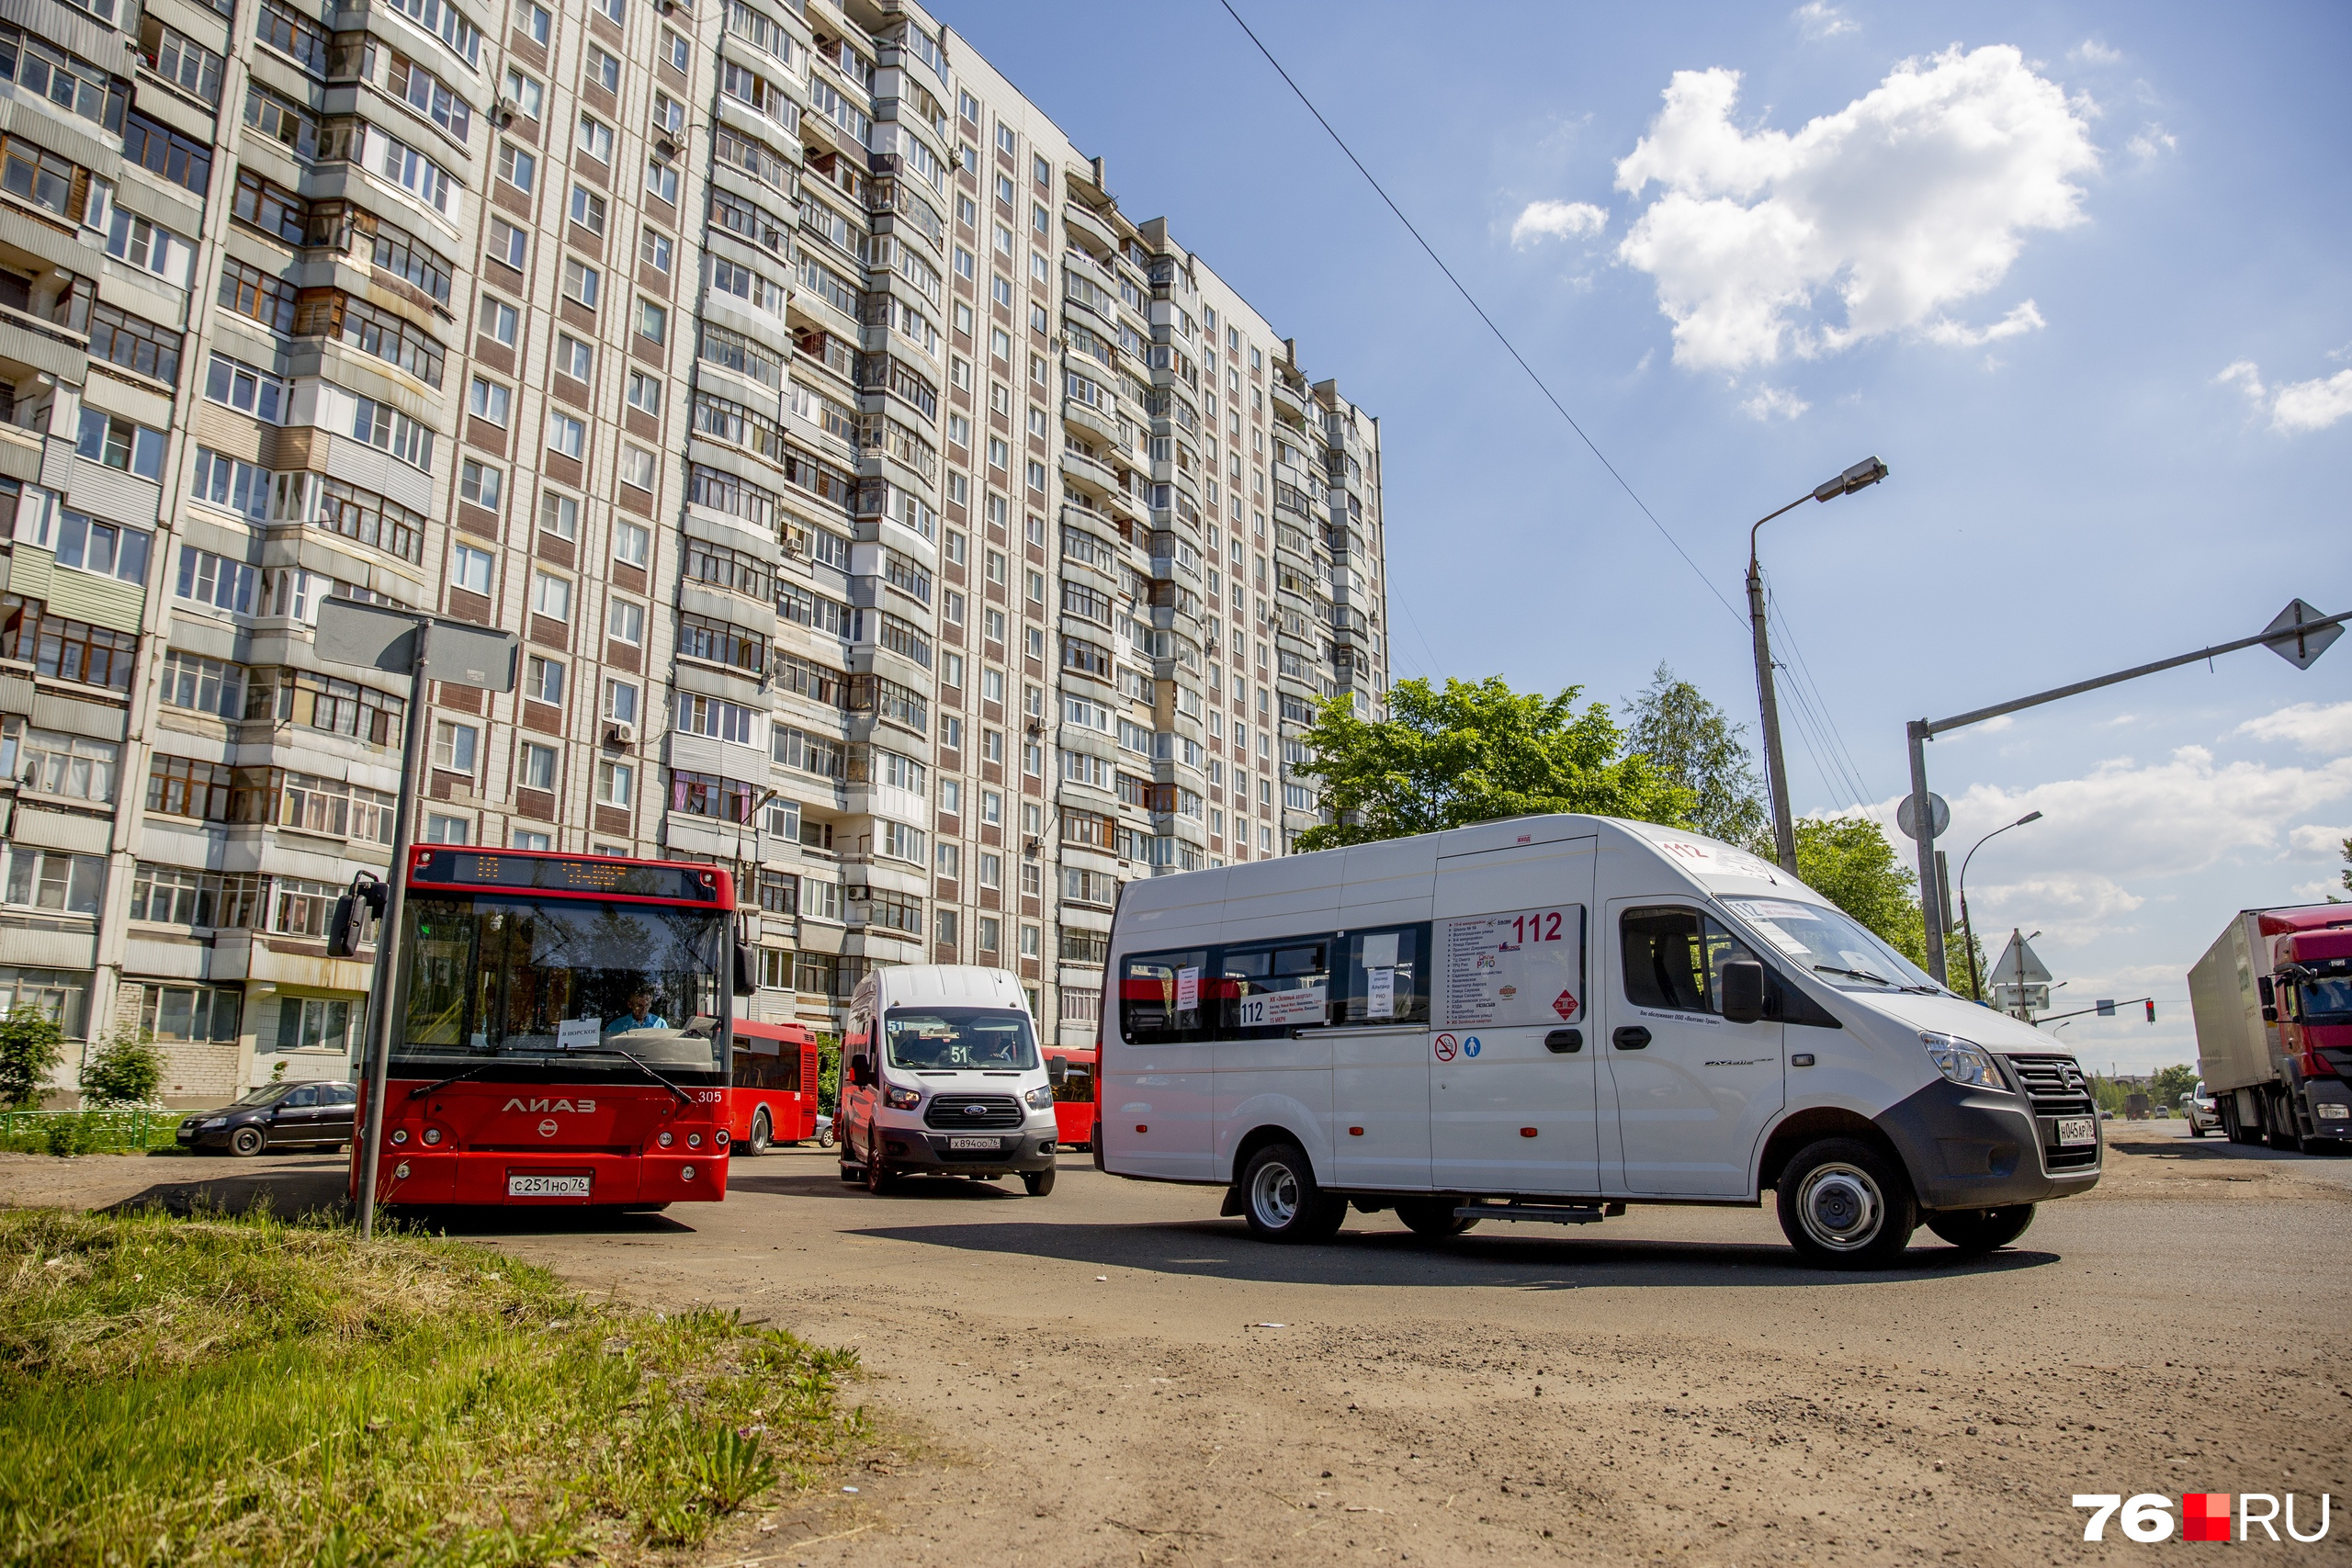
x=1280 y=1200
x=757 y=1143
x=1431 y=1216
x=1982 y=1230
x=879 y=1177
x=2196 y=1129
x=1843 y=1205
x=1038 y=1183
x=247 y=1142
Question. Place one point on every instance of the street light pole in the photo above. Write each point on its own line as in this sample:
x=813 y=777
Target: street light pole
x=1776 y=772
x=1967 y=930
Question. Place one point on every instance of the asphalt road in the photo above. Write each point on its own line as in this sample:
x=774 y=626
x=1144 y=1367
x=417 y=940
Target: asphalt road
x=1113 y=1374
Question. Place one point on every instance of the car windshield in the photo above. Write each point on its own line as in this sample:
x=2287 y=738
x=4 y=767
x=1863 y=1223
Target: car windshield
x=1829 y=942
x=960 y=1040
x=268 y=1094
x=493 y=976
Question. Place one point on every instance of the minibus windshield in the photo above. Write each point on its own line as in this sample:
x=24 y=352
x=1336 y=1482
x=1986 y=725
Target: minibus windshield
x=960 y=1040
x=1830 y=944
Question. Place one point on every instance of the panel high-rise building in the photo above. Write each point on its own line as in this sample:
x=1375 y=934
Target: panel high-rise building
x=885 y=513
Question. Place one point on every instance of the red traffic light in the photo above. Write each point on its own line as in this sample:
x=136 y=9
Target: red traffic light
x=2152 y=1011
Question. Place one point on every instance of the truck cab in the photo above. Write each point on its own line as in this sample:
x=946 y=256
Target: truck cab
x=2311 y=993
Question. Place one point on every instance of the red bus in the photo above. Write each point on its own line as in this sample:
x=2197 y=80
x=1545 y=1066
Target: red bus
x=1072 y=1072
x=772 y=1093
x=559 y=1032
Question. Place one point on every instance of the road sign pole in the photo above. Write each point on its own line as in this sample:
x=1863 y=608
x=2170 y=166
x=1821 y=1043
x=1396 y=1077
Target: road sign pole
x=1923 y=816
x=385 y=999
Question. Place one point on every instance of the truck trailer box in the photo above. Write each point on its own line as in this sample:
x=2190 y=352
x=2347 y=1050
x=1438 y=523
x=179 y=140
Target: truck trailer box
x=2235 y=1048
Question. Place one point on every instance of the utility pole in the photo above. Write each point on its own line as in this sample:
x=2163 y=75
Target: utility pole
x=1776 y=772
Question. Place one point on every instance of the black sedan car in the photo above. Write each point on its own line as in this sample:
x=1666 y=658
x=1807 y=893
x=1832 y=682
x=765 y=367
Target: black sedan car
x=276 y=1116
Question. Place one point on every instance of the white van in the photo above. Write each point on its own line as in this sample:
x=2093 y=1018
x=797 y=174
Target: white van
x=941 y=1075
x=1549 y=1018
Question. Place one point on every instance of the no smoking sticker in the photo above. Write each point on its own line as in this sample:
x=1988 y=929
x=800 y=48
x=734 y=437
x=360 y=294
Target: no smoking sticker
x=1444 y=1046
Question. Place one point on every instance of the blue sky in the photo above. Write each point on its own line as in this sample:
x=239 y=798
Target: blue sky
x=2078 y=274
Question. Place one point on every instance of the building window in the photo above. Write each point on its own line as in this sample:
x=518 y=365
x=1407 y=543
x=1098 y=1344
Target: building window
x=455 y=746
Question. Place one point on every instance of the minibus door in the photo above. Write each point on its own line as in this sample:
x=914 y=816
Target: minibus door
x=1511 y=1047
x=1692 y=1092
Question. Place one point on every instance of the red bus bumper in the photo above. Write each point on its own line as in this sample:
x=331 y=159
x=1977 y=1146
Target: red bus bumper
x=464 y=1177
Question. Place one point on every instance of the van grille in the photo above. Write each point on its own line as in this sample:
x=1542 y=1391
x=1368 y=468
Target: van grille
x=972 y=1112
x=2057 y=1088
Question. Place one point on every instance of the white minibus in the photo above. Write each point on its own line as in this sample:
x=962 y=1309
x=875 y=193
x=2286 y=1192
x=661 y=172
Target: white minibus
x=941 y=1075
x=1549 y=1018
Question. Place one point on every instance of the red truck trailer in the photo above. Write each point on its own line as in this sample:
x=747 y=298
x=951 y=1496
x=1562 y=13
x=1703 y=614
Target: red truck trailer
x=2272 y=999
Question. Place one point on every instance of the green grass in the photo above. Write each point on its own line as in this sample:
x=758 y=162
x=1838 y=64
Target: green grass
x=249 y=1391
x=88 y=1132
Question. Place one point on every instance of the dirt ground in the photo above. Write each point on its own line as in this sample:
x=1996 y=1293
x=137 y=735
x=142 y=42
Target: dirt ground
x=1114 y=1375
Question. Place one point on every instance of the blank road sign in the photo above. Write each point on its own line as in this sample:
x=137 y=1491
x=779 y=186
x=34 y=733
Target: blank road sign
x=376 y=638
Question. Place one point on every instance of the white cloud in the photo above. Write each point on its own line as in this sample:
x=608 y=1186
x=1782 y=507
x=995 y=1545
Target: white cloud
x=2299 y=406
x=2024 y=319
x=1907 y=202
x=1558 y=220
x=2090 y=51
x=1773 y=402
x=2152 y=141
x=2315 y=840
x=1822 y=20
x=2324 y=729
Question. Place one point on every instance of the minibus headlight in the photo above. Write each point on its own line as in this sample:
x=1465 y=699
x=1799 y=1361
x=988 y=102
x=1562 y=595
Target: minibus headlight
x=1040 y=1098
x=903 y=1098
x=1962 y=1061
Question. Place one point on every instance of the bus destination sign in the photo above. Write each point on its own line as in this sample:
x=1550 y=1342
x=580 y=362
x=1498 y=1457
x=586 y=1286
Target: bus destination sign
x=560 y=873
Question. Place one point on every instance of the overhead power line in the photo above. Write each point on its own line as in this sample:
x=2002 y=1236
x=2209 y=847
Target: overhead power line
x=1471 y=300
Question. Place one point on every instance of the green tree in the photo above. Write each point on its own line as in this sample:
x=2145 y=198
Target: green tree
x=2172 y=1085
x=1848 y=862
x=32 y=1045
x=2347 y=873
x=126 y=1070
x=1472 y=752
x=1695 y=744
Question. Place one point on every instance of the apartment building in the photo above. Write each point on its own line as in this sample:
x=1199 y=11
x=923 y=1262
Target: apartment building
x=884 y=514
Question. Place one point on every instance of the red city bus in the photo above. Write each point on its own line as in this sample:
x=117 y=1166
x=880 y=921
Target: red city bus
x=1072 y=1071
x=559 y=1032
x=773 y=1092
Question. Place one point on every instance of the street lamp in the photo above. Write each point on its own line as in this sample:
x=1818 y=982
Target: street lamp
x=1968 y=932
x=1784 y=832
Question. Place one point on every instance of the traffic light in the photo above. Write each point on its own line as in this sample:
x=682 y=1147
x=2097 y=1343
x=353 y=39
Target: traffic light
x=347 y=926
x=2152 y=1009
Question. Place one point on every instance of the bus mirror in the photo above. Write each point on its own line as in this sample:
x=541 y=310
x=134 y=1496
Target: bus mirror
x=1742 y=991
x=747 y=968
x=861 y=1071
x=342 y=927
x=2269 y=999
x=1057 y=1069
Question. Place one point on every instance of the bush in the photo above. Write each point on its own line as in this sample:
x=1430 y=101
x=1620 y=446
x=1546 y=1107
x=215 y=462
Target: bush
x=126 y=1070
x=32 y=1045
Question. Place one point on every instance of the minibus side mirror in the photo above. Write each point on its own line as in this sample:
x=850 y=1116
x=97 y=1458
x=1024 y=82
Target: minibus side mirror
x=861 y=1071
x=1742 y=989
x=747 y=968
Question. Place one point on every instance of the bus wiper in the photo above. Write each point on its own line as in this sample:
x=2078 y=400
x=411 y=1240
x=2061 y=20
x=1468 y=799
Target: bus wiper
x=684 y=1098
x=1857 y=974
x=453 y=1077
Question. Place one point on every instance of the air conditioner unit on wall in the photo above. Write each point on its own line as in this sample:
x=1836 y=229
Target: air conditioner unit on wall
x=620 y=732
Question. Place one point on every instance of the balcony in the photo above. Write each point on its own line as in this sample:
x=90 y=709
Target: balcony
x=1088 y=230
x=1288 y=399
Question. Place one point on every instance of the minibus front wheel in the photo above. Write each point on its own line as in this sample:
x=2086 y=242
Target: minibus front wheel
x=1281 y=1200
x=1843 y=1204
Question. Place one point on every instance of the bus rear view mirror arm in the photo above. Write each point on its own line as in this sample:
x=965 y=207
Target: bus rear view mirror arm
x=1742 y=991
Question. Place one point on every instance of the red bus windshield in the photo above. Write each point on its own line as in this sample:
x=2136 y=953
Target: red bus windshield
x=500 y=977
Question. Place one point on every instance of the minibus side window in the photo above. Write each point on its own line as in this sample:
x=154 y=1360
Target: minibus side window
x=1402 y=996
x=1150 y=987
x=1673 y=959
x=1268 y=989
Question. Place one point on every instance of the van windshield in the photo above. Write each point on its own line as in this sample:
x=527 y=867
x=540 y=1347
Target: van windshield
x=960 y=1040
x=1830 y=944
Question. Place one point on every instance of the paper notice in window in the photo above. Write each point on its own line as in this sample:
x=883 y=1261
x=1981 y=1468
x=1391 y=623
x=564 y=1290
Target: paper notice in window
x=1521 y=969
x=1380 y=995
x=1188 y=991
x=578 y=1033
x=1380 y=951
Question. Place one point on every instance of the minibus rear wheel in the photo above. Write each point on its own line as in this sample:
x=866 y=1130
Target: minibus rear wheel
x=1844 y=1205
x=1280 y=1200
x=1982 y=1230
x=1431 y=1216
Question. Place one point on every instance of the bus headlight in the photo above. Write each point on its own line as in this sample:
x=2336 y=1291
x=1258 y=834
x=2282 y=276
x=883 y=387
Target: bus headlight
x=903 y=1098
x=687 y=1171
x=1962 y=1061
x=719 y=1138
x=694 y=1140
x=400 y=1135
x=432 y=1136
x=667 y=1140
x=1041 y=1098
